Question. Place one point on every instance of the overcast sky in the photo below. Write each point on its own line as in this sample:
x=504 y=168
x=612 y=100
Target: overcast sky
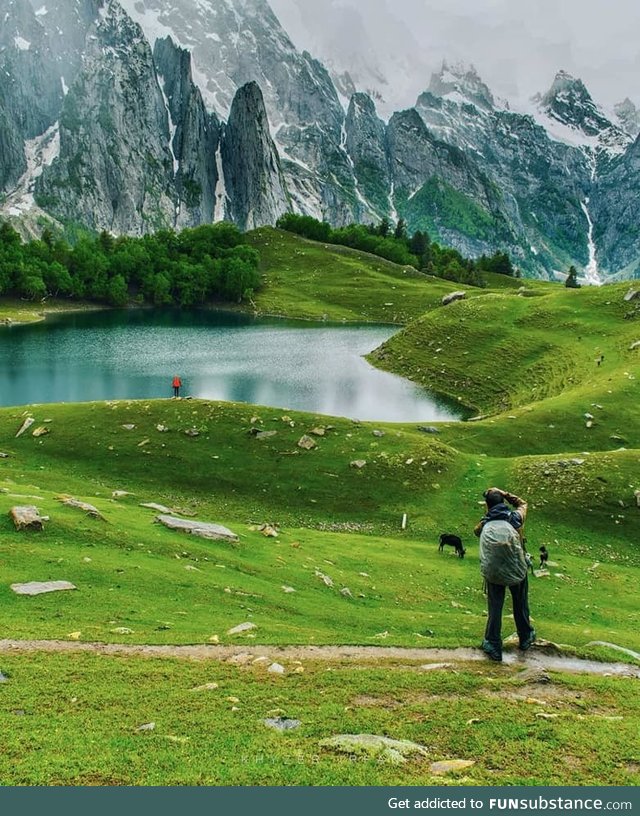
x=516 y=45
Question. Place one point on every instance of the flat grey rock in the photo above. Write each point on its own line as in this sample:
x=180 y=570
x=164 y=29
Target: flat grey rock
x=375 y=747
x=201 y=529
x=243 y=627
x=282 y=724
x=41 y=587
x=159 y=508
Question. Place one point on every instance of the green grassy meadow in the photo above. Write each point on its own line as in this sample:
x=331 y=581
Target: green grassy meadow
x=527 y=363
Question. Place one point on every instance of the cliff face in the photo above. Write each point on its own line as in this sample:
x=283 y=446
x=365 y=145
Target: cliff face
x=616 y=212
x=253 y=177
x=194 y=136
x=115 y=168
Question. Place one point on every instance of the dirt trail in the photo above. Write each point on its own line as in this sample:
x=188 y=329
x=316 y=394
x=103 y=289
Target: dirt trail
x=545 y=656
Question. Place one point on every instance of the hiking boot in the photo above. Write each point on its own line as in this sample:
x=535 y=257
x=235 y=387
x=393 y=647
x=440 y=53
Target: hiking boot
x=492 y=652
x=528 y=642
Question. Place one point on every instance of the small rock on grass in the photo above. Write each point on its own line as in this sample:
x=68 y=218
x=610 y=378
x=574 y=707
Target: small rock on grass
x=276 y=668
x=376 y=747
x=282 y=724
x=358 y=464
x=206 y=687
x=450 y=765
x=307 y=443
x=242 y=628
x=41 y=587
x=147 y=727
x=3 y=678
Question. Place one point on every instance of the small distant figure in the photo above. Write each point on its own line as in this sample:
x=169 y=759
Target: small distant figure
x=600 y=360
x=544 y=557
x=177 y=385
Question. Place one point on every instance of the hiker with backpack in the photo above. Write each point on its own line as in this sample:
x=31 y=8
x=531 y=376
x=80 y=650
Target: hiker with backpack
x=503 y=564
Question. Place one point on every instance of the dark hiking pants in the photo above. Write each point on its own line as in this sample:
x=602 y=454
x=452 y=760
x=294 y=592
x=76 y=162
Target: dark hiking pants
x=495 y=600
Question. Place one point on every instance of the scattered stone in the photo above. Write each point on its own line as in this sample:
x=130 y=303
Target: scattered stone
x=276 y=668
x=318 y=432
x=122 y=630
x=542 y=573
x=534 y=675
x=3 y=678
x=206 y=687
x=288 y=590
x=41 y=431
x=453 y=297
x=375 y=747
x=632 y=294
x=201 y=529
x=474 y=721
x=358 y=464
x=192 y=432
x=269 y=531
x=4 y=455
x=159 y=508
x=346 y=592
x=161 y=428
x=590 y=424
x=27 y=518
x=635 y=346
x=143 y=443
x=542 y=715
x=429 y=429
x=25 y=426
x=307 y=443
x=242 y=628
x=129 y=427
x=120 y=494
x=266 y=434
x=617 y=438
x=622 y=649
x=147 y=727
x=214 y=639
x=282 y=724
x=589 y=416
x=89 y=509
x=378 y=434
x=436 y=666
x=324 y=578
x=450 y=765
x=74 y=635
x=191 y=568
x=41 y=587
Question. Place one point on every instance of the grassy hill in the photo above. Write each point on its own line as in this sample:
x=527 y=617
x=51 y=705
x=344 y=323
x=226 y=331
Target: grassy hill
x=527 y=362
x=315 y=281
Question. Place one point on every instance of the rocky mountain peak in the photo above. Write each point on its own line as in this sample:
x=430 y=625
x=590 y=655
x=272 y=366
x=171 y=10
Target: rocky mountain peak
x=628 y=116
x=569 y=102
x=461 y=83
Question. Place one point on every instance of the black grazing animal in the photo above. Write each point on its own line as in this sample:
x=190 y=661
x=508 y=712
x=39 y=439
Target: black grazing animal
x=544 y=556
x=452 y=541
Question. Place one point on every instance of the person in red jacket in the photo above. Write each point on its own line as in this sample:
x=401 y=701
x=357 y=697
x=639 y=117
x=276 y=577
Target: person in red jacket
x=177 y=385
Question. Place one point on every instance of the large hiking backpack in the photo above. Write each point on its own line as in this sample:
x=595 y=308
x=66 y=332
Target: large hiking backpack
x=502 y=558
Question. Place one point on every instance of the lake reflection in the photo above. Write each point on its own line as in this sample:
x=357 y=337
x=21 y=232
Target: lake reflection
x=135 y=354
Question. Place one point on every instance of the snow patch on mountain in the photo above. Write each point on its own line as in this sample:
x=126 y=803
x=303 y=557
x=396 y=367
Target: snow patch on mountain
x=39 y=153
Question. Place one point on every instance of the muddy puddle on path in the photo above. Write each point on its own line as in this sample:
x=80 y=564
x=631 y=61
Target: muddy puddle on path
x=543 y=657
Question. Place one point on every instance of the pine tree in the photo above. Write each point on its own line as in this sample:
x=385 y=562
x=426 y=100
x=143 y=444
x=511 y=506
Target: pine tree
x=572 y=279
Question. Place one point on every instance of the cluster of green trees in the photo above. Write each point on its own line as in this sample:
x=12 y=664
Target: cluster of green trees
x=211 y=262
x=394 y=243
